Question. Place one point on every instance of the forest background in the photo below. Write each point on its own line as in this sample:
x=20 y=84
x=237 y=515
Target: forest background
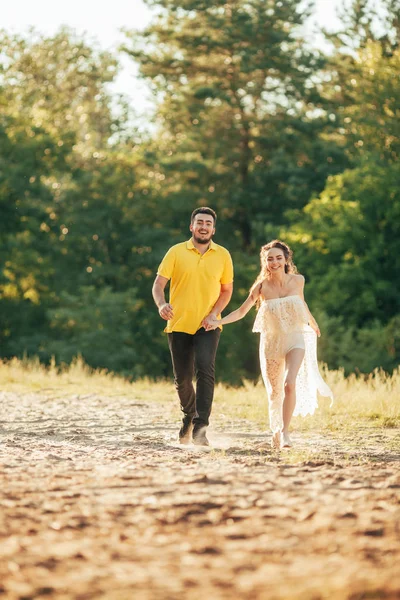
x=282 y=139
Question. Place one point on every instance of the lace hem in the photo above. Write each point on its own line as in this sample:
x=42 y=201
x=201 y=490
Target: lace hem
x=309 y=381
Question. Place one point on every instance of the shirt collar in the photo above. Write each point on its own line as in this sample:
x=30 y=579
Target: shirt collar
x=191 y=246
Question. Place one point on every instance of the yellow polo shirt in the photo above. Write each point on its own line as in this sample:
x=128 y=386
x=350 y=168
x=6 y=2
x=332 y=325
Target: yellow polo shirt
x=195 y=283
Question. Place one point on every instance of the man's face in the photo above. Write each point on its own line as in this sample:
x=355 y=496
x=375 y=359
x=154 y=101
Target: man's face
x=202 y=228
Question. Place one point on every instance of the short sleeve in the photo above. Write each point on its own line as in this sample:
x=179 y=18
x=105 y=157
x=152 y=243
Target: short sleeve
x=167 y=264
x=227 y=274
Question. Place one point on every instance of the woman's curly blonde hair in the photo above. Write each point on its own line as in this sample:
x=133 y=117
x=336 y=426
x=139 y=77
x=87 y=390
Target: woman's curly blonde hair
x=290 y=267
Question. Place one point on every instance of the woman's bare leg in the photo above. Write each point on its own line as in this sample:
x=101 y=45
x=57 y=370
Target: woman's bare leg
x=273 y=372
x=275 y=375
x=294 y=358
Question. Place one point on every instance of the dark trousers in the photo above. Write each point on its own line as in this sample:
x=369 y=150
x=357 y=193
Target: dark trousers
x=195 y=355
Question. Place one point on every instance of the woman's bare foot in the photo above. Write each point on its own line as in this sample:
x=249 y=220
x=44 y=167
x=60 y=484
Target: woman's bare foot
x=286 y=442
x=276 y=440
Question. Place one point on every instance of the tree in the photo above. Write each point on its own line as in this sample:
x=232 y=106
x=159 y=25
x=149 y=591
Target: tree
x=346 y=239
x=59 y=83
x=237 y=121
x=56 y=127
x=29 y=156
x=349 y=238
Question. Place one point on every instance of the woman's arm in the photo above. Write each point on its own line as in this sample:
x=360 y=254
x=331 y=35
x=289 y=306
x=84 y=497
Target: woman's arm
x=313 y=322
x=239 y=313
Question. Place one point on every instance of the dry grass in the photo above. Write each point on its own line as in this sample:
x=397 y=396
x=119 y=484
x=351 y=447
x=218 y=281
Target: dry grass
x=372 y=401
x=21 y=376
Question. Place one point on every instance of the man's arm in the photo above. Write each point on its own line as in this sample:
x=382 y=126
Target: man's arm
x=223 y=301
x=164 y=309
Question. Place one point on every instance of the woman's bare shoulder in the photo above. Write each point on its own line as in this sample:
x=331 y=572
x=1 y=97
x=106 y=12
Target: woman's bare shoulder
x=255 y=291
x=264 y=285
x=297 y=279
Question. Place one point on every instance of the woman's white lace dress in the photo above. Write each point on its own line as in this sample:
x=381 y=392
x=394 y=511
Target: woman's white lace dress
x=283 y=325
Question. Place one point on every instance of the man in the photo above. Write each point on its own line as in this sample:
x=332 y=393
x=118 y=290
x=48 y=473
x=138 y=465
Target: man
x=201 y=275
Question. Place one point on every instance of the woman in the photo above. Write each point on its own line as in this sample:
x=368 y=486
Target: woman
x=288 y=341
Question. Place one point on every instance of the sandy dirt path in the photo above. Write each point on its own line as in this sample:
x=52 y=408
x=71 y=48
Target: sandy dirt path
x=98 y=501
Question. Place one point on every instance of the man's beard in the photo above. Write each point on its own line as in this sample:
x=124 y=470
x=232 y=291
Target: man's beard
x=202 y=240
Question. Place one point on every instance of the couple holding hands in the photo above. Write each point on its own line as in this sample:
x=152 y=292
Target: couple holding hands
x=201 y=283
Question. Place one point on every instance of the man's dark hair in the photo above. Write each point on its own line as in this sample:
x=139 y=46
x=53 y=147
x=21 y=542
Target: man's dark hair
x=204 y=210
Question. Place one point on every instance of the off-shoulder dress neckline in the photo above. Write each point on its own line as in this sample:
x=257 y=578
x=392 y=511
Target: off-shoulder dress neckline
x=281 y=298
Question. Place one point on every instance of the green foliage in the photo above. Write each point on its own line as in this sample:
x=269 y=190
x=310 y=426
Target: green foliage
x=59 y=83
x=347 y=238
x=237 y=111
x=358 y=349
x=237 y=358
x=279 y=139
x=348 y=241
x=93 y=324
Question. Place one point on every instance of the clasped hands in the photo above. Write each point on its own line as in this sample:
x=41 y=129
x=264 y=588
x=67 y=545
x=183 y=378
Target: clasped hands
x=210 y=322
